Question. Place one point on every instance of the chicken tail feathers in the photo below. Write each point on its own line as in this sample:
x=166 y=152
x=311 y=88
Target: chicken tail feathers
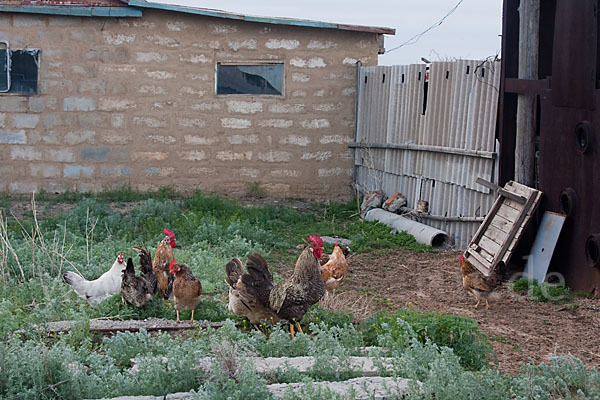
x=129 y=269
x=169 y=290
x=233 y=272
x=258 y=271
x=76 y=281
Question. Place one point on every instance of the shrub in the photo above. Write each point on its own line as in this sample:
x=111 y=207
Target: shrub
x=458 y=333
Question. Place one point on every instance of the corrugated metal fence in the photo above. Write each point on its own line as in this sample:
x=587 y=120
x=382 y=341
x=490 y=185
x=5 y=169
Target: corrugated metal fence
x=430 y=138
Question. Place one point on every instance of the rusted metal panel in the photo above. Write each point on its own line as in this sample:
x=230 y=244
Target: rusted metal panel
x=574 y=54
x=567 y=118
x=569 y=178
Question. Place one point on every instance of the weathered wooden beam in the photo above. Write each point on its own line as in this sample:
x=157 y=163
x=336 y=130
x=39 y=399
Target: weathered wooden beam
x=529 y=31
x=150 y=324
x=526 y=86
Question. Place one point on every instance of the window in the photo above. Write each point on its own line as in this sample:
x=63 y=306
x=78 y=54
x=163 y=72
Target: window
x=259 y=79
x=18 y=70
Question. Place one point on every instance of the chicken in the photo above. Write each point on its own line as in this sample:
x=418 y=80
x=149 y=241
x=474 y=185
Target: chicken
x=186 y=288
x=480 y=286
x=108 y=284
x=163 y=256
x=146 y=269
x=249 y=293
x=294 y=296
x=135 y=290
x=335 y=269
x=325 y=257
x=138 y=290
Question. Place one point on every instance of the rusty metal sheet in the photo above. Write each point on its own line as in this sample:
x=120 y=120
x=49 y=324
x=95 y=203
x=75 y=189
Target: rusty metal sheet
x=569 y=178
x=568 y=171
x=574 y=54
x=541 y=253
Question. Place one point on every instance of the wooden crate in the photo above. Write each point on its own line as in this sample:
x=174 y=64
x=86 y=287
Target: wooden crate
x=501 y=230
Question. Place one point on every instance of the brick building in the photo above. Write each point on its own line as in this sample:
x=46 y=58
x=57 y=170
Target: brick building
x=102 y=94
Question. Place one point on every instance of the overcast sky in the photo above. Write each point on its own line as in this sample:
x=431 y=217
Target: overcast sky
x=471 y=32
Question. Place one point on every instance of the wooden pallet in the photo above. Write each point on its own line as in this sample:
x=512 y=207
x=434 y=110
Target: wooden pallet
x=498 y=235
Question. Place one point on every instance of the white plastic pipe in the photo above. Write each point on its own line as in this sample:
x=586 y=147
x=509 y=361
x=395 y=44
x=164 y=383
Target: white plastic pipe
x=423 y=234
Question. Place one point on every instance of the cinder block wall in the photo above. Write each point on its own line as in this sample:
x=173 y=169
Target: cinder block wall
x=131 y=101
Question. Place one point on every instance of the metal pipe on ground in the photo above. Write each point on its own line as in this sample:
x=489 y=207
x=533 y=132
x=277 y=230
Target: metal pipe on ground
x=423 y=234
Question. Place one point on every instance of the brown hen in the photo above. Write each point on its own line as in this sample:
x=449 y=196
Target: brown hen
x=480 y=286
x=335 y=269
x=186 y=288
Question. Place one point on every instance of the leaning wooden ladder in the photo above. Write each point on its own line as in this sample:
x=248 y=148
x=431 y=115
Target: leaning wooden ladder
x=498 y=235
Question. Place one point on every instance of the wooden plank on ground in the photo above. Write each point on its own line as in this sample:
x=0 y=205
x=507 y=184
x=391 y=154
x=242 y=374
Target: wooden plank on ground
x=150 y=324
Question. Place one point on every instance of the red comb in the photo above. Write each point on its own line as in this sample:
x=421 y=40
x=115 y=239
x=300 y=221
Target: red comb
x=172 y=263
x=168 y=233
x=316 y=239
x=120 y=258
x=462 y=258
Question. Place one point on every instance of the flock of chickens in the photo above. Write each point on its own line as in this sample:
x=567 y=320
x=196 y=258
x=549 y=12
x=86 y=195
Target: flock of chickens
x=252 y=294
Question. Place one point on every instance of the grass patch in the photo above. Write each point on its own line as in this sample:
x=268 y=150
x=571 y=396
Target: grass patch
x=546 y=292
x=460 y=334
x=447 y=353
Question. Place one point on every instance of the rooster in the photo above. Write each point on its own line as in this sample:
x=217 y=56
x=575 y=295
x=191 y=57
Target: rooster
x=480 y=286
x=163 y=256
x=186 y=288
x=294 y=296
x=102 y=288
x=335 y=269
x=249 y=293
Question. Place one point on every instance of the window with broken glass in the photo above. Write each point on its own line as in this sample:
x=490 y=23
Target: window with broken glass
x=18 y=70
x=258 y=79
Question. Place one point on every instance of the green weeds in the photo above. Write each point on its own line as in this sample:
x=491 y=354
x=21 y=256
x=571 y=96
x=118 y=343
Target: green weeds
x=446 y=353
x=552 y=292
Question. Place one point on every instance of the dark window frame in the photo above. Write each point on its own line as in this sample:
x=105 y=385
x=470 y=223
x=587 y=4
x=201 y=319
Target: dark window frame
x=22 y=69
x=280 y=64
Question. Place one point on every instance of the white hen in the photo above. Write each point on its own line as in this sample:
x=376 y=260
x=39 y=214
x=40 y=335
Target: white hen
x=102 y=288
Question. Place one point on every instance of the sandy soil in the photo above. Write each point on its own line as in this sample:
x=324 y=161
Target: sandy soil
x=520 y=329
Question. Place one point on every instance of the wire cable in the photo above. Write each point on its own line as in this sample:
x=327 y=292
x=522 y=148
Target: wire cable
x=418 y=36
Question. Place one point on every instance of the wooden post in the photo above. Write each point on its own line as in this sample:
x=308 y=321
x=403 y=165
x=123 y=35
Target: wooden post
x=529 y=39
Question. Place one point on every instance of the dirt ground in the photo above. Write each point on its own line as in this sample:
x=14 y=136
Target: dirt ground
x=519 y=328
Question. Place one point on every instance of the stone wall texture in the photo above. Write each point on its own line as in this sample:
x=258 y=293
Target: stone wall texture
x=131 y=101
